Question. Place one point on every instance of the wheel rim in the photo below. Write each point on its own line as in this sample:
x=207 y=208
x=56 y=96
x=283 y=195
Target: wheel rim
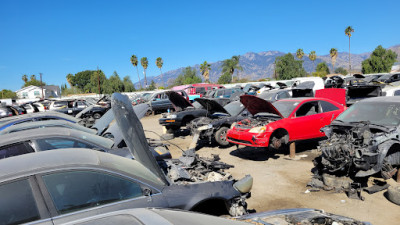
x=223 y=136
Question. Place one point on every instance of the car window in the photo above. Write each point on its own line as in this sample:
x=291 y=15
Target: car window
x=307 y=109
x=76 y=190
x=15 y=149
x=59 y=104
x=27 y=106
x=396 y=93
x=58 y=143
x=327 y=106
x=283 y=95
x=17 y=203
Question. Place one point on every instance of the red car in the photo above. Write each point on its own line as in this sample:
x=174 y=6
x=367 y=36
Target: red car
x=284 y=121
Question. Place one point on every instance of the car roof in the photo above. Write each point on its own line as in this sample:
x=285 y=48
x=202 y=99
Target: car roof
x=48 y=161
x=39 y=114
x=37 y=124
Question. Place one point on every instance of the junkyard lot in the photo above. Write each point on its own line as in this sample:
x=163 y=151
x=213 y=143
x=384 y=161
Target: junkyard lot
x=280 y=183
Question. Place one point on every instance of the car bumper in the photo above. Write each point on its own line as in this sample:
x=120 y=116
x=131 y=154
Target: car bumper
x=247 y=139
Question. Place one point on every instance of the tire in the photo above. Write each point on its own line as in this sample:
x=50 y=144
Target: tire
x=393 y=194
x=149 y=112
x=220 y=136
x=97 y=116
x=171 y=129
x=277 y=143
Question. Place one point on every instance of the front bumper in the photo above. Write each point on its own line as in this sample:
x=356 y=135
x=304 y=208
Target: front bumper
x=247 y=138
x=170 y=122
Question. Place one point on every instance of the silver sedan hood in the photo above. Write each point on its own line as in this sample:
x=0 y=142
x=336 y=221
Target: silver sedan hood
x=132 y=131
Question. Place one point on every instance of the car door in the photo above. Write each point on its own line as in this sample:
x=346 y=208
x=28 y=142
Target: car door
x=21 y=202
x=328 y=114
x=305 y=121
x=79 y=193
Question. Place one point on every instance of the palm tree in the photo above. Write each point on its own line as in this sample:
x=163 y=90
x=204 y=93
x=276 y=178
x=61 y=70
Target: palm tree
x=312 y=56
x=205 y=71
x=333 y=53
x=299 y=53
x=33 y=77
x=159 y=64
x=348 y=32
x=230 y=65
x=145 y=64
x=25 y=78
x=134 y=62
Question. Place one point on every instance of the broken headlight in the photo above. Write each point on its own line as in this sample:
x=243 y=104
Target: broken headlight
x=257 y=130
x=173 y=116
x=233 y=125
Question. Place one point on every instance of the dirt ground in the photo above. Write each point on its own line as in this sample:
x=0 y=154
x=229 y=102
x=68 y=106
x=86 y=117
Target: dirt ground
x=280 y=183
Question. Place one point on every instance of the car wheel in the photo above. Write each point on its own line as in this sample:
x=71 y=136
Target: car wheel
x=220 y=136
x=97 y=116
x=149 y=112
x=171 y=129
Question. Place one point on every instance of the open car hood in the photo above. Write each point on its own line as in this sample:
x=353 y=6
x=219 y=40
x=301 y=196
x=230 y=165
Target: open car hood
x=256 y=105
x=132 y=131
x=211 y=105
x=87 y=109
x=178 y=100
x=281 y=85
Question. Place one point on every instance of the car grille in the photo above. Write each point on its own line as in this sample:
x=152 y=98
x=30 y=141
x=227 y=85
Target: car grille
x=240 y=141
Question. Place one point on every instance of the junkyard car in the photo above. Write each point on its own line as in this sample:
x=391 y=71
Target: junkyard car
x=158 y=216
x=362 y=141
x=284 y=121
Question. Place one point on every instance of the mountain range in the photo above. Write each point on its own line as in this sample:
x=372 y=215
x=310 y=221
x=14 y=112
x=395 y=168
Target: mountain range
x=261 y=65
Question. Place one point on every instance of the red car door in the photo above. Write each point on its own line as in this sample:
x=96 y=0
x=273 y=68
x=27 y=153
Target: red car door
x=306 y=122
x=329 y=113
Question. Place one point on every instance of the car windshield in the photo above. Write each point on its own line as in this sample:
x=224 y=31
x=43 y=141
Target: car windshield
x=234 y=108
x=285 y=107
x=378 y=113
x=269 y=96
x=385 y=77
x=197 y=105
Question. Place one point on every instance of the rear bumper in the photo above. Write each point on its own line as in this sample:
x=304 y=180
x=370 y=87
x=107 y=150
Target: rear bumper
x=248 y=139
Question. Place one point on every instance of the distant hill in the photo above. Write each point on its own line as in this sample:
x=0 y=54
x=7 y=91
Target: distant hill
x=261 y=65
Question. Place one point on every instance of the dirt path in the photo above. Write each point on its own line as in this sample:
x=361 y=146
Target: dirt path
x=280 y=183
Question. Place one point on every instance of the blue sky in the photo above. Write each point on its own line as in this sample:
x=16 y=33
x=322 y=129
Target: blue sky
x=57 y=37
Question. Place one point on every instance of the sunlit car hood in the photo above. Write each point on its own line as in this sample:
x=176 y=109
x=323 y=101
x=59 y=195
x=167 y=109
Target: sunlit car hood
x=132 y=131
x=211 y=105
x=256 y=105
x=87 y=109
x=178 y=100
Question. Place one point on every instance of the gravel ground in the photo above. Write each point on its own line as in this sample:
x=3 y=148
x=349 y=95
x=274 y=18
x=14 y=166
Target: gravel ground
x=280 y=183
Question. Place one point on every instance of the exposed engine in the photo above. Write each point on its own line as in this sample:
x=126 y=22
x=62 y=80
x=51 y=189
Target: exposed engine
x=256 y=121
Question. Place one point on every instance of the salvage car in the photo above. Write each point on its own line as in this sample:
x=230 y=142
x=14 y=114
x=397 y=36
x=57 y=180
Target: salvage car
x=36 y=140
x=276 y=124
x=159 y=101
x=363 y=141
x=40 y=116
x=159 y=216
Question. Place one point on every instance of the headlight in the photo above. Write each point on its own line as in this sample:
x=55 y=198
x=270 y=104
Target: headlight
x=233 y=125
x=205 y=127
x=173 y=116
x=257 y=130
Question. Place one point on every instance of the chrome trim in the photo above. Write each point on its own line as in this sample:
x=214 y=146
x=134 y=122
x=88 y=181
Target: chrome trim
x=39 y=221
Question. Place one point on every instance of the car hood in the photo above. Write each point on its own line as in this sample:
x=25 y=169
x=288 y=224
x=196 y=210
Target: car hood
x=211 y=106
x=256 y=105
x=132 y=131
x=178 y=100
x=87 y=109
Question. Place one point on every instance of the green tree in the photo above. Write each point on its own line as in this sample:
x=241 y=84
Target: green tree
x=152 y=86
x=299 y=53
x=312 y=56
x=333 y=53
x=113 y=84
x=341 y=70
x=24 y=78
x=380 y=61
x=128 y=85
x=228 y=67
x=5 y=93
x=82 y=80
x=134 y=61
x=33 y=77
x=225 y=78
x=348 y=32
x=145 y=63
x=205 y=71
x=70 y=78
x=96 y=77
x=33 y=82
x=159 y=64
x=287 y=67
x=322 y=68
x=188 y=76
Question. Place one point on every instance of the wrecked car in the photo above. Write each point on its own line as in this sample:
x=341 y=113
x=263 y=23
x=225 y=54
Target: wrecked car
x=358 y=89
x=215 y=126
x=363 y=141
x=184 y=112
x=276 y=124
